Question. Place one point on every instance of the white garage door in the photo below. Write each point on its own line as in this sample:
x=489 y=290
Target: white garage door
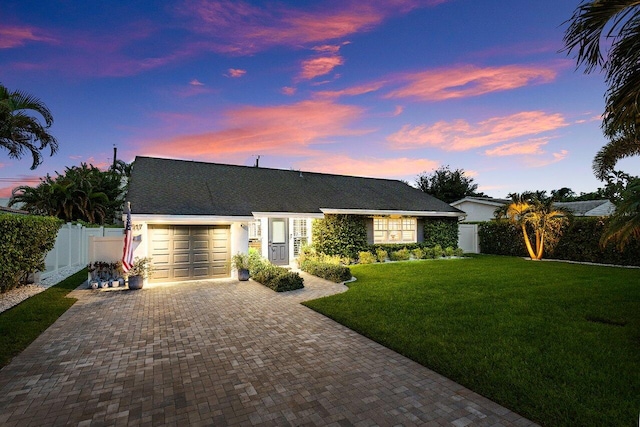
x=182 y=252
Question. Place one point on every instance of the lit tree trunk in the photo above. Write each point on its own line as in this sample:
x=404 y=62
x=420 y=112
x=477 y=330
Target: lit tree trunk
x=527 y=242
x=540 y=245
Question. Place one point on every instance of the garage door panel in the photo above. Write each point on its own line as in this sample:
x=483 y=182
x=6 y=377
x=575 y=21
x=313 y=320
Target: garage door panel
x=199 y=245
x=181 y=259
x=189 y=252
x=181 y=245
x=201 y=257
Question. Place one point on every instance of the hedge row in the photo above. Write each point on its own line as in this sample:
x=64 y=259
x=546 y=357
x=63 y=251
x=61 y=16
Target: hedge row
x=333 y=272
x=343 y=235
x=24 y=243
x=277 y=278
x=580 y=241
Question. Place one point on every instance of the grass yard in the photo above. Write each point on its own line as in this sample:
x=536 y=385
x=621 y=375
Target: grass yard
x=22 y=324
x=558 y=343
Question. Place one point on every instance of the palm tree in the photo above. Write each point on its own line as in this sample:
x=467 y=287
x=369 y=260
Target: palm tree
x=529 y=210
x=21 y=131
x=614 y=24
x=624 y=224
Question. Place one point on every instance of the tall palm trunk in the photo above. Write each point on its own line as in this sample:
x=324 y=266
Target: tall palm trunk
x=527 y=242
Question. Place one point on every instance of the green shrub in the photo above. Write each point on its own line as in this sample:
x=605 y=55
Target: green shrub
x=332 y=272
x=342 y=235
x=449 y=251
x=501 y=237
x=400 y=255
x=429 y=253
x=24 y=243
x=381 y=255
x=443 y=232
x=438 y=252
x=366 y=257
x=458 y=252
x=277 y=278
x=418 y=253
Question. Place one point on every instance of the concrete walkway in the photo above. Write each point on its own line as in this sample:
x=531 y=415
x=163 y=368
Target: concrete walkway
x=224 y=353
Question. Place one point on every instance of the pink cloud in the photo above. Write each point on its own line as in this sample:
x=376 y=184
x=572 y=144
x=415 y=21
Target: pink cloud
x=368 y=166
x=352 y=91
x=196 y=82
x=288 y=90
x=531 y=147
x=534 y=162
x=320 y=66
x=242 y=28
x=460 y=135
x=469 y=80
x=15 y=36
x=235 y=73
x=283 y=129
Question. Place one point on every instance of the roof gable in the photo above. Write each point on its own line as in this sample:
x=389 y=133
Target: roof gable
x=179 y=187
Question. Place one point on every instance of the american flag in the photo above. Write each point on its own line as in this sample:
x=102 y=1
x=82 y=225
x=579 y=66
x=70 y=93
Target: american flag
x=127 y=251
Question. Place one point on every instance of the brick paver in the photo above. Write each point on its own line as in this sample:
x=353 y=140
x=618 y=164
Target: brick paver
x=224 y=353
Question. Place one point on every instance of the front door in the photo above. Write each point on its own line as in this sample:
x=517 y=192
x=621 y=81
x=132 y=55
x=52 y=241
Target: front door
x=278 y=241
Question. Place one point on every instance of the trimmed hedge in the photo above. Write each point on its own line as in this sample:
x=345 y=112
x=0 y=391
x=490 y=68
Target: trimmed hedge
x=343 y=235
x=333 y=272
x=580 y=241
x=277 y=278
x=443 y=232
x=24 y=243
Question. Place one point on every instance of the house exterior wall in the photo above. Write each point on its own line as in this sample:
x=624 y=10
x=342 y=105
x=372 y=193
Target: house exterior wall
x=477 y=211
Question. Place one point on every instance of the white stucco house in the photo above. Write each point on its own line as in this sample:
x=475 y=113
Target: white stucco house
x=190 y=217
x=482 y=208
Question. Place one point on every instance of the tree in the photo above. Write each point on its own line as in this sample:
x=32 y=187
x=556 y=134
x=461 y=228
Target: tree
x=21 y=131
x=564 y=194
x=447 y=185
x=624 y=224
x=528 y=210
x=80 y=193
x=614 y=25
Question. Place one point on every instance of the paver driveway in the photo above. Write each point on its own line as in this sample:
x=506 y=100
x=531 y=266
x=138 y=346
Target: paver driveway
x=223 y=353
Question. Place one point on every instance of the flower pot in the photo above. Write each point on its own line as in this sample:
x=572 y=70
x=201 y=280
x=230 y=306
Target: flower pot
x=104 y=284
x=115 y=283
x=243 y=275
x=93 y=284
x=135 y=282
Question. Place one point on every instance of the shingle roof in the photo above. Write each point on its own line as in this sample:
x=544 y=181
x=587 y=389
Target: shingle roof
x=179 y=187
x=585 y=207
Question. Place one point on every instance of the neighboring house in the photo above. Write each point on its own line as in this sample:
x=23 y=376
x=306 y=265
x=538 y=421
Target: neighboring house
x=483 y=208
x=4 y=209
x=191 y=216
x=478 y=208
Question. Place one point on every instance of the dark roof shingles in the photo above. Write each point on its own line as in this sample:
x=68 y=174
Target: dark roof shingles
x=179 y=187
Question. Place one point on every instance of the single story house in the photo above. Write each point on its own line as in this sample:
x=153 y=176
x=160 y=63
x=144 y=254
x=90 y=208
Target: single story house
x=483 y=208
x=190 y=217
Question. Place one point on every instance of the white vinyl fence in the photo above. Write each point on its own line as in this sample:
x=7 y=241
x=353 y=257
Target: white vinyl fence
x=468 y=238
x=72 y=246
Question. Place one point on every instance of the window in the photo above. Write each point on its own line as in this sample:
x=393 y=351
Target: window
x=300 y=237
x=394 y=230
x=255 y=230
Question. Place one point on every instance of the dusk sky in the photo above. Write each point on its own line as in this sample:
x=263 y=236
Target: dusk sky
x=381 y=88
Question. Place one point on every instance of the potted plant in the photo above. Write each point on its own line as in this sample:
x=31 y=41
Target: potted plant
x=139 y=272
x=240 y=262
x=92 y=269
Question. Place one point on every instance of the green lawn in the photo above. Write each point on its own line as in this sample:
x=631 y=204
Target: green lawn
x=558 y=343
x=22 y=324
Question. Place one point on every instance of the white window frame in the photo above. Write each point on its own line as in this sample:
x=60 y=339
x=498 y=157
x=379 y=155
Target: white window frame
x=395 y=230
x=255 y=230
x=299 y=234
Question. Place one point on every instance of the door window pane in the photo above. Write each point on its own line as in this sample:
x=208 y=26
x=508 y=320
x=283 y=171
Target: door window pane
x=278 y=234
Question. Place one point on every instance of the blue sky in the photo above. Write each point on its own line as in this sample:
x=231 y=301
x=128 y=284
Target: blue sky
x=384 y=88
